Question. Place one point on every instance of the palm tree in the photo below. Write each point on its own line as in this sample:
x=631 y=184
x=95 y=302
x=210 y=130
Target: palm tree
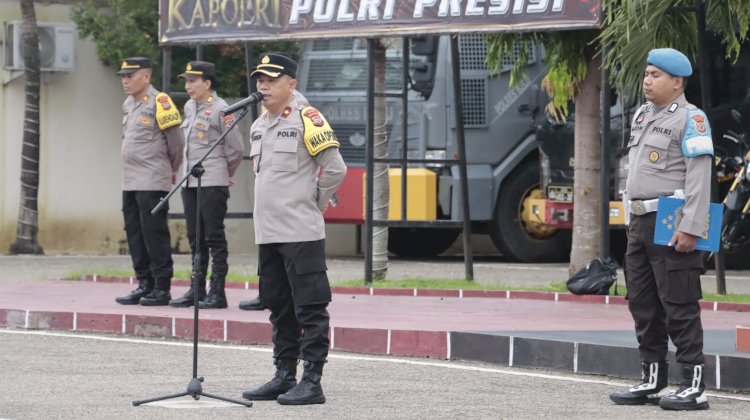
x=630 y=29
x=633 y=28
x=381 y=186
x=572 y=74
x=28 y=216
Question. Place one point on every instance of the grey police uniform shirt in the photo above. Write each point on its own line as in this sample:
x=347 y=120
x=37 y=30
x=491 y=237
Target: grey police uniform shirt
x=671 y=149
x=202 y=126
x=290 y=189
x=149 y=155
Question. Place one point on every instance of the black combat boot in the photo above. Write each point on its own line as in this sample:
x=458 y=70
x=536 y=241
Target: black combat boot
x=655 y=377
x=308 y=391
x=251 y=305
x=216 y=298
x=188 y=298
x=159 y=296
x=284 y=380
x=144 y=287
x=691 y=395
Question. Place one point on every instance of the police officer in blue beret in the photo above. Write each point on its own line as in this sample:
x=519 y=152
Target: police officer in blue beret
x=670 y=153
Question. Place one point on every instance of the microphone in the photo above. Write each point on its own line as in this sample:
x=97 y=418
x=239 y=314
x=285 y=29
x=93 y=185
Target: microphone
x=250 y=100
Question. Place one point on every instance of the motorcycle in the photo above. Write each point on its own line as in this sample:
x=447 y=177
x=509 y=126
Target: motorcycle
x=735 y=230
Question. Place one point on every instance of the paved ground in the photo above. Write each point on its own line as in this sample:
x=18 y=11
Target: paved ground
x=74 y=376
x=487 y=269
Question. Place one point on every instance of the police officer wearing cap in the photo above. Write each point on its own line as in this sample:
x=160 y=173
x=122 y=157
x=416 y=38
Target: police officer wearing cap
x=203 y=125
x=255 y=304
x=670 y=150
x=290 y=143
x=152 y=144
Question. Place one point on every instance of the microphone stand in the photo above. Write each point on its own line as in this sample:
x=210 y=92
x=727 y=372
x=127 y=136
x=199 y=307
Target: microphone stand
x=194 y=388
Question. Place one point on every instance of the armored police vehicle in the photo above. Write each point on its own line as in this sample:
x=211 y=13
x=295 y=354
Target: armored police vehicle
x=501 y=146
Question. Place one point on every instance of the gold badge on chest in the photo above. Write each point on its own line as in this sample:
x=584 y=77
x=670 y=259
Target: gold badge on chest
x=653 y=157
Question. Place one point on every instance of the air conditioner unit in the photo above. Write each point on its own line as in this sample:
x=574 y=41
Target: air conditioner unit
x=56 y=46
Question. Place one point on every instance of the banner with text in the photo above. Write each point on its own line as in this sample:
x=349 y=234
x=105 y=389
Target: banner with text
x=217 y=21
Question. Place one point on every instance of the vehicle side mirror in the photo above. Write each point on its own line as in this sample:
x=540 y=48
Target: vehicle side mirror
x=423 y=45
x=737 y=116
x=422 y=77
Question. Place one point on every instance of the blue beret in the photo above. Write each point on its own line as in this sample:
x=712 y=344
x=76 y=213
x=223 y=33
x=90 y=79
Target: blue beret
x=671 y=61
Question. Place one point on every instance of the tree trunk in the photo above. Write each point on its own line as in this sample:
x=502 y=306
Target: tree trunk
x=586 y=188
x=381 y=186
x=28 y=216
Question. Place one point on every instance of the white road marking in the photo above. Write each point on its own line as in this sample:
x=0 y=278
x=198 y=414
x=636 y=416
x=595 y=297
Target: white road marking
x=380 y=359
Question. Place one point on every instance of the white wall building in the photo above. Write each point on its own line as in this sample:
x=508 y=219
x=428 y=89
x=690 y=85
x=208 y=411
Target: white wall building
x=80 y=179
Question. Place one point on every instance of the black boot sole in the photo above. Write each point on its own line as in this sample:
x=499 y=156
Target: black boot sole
x=321 y=399
x=635 y=401
x=180 y=305
x=685 y=407
x=128 y=302
x=259 y=397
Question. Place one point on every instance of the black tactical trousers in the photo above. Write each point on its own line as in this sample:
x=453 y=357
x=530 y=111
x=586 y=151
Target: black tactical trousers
x=663 y=292
x=213 y=212
x=294 y=286
x=148 y=235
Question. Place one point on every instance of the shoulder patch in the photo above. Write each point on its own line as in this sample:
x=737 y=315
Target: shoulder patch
x=167 y=114
x=696 y=139
x=318 y=134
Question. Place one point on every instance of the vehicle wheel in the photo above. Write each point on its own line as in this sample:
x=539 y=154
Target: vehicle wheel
x=525 y=240
x=420 y=242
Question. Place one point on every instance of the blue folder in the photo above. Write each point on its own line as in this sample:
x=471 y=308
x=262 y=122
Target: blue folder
x=669 y=215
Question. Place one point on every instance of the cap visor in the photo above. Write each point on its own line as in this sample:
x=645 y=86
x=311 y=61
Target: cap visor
x=273 y=74
x=127 y=71
x=189 y=76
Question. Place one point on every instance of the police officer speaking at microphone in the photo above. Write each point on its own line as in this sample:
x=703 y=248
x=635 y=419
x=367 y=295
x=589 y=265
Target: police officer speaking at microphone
x=290 y=143
x=203 y=125
x=670 y=153
x=152 y=147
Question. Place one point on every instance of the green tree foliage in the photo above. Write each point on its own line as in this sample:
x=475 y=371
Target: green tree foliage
x=566 y=55
x=129 y=28
x=632 y=28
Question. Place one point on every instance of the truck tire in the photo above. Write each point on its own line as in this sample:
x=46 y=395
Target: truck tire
x=517 y=239
x=420 y=242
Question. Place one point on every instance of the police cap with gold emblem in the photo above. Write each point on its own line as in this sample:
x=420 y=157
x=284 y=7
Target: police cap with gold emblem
x=201 y=69
x=275 y=65
x=133 y=64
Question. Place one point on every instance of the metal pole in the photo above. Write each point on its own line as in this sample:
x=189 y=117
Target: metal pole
x=404 y=122
x=369 y=151
x=707 y=104
x=199 y=53
x=468 y=251
x=249 y=65
x=166 y=70
x=604 y=125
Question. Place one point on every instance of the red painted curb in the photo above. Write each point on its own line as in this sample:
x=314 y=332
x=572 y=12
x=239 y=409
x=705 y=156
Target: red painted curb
x=743 y=339
x=393 y=292
x=532 y=295
x=148 y=326
x=249 y=332
x=50 y=320
x=419 y=343
x=564 y=297
x=350 y=290
x=438 y=293
x=208 y=329
x=87 y=321
x=485 y=293
x=360 y=340
x=520 y=294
